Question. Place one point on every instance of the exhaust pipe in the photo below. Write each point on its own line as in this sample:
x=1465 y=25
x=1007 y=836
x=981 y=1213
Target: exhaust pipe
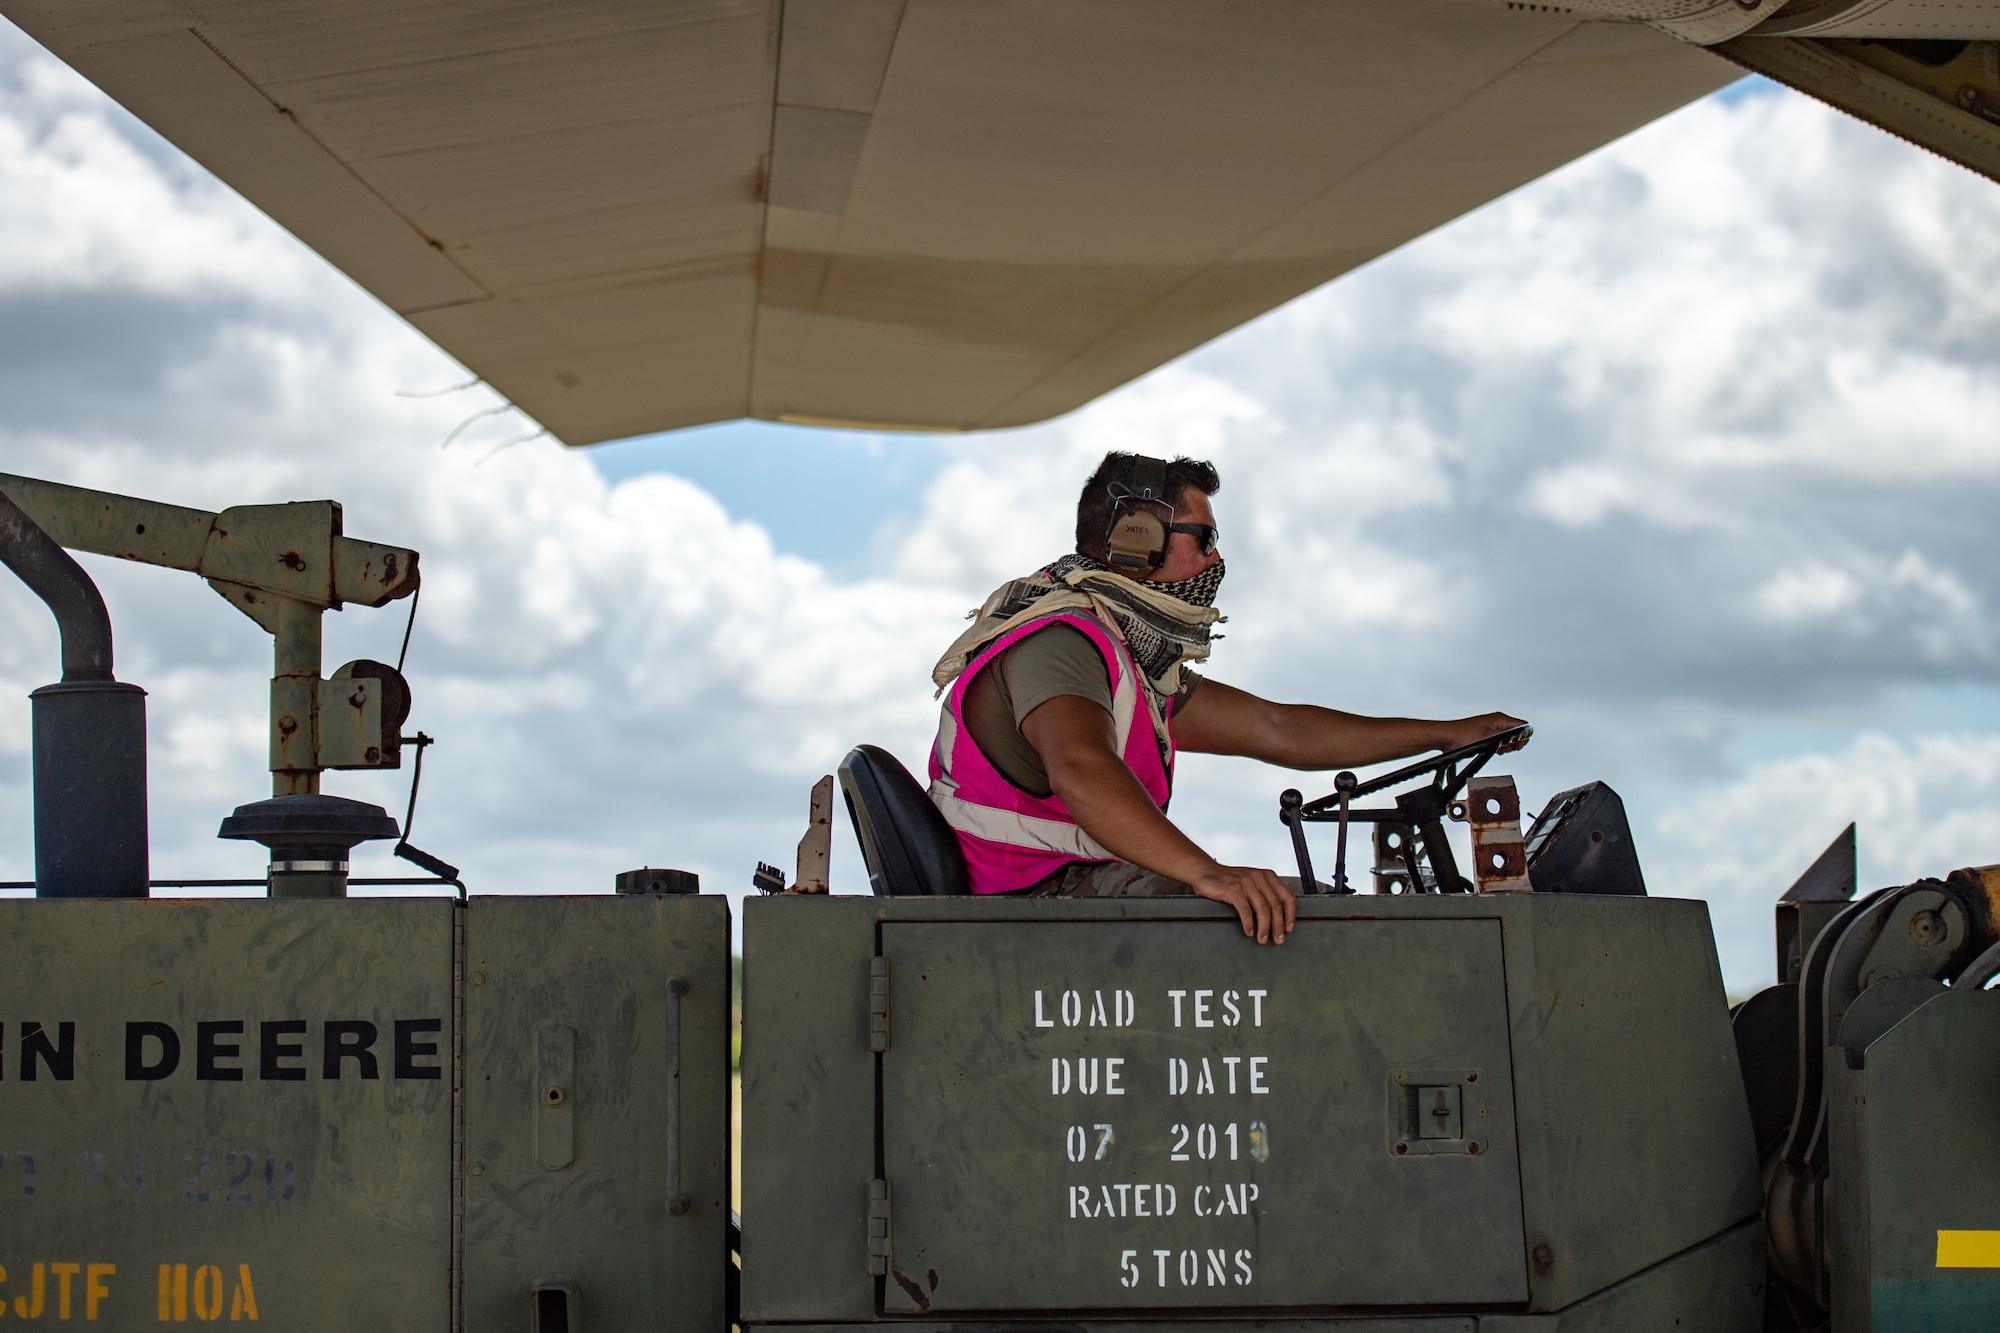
x=89 y=734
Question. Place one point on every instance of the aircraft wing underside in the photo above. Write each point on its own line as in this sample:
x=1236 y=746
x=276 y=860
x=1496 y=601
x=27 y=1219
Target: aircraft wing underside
x=633 y=215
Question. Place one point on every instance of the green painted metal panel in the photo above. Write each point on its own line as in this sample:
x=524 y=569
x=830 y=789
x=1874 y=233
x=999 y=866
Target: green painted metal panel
x=572 y=1173
x=209 y=1104
x=1082 y=1115
x=1636 y=1141
x=1633 y=1136
x=1910 y=1156
x=808 y=1107
x=1714 y=1287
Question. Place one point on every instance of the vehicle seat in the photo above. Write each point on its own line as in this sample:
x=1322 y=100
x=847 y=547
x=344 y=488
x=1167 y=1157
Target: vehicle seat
x=909 y=849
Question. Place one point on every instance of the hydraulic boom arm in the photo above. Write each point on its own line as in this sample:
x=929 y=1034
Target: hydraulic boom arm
x=281 y=565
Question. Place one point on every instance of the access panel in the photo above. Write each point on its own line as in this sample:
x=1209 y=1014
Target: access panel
x=1123 y=1116
x=226 y=1112
x=1915 y=1241
x=597 y=1112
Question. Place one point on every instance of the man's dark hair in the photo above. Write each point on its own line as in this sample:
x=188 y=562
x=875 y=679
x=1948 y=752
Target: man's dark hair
x=1093 y=507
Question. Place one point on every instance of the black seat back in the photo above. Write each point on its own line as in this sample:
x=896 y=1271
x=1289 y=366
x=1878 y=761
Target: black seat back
x=909 y=849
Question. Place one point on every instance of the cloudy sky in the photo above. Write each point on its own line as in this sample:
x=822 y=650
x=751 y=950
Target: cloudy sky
x=1687 y=453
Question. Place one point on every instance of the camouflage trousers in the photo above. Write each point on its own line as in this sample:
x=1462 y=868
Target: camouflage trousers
x=1119 y=879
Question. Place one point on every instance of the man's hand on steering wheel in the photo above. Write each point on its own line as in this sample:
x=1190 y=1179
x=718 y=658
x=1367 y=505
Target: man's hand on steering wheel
x=1267 y=908
x=1471 y=730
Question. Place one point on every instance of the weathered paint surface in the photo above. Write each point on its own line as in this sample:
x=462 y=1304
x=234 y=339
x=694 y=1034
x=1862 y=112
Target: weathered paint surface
x=586 y=978
x=1913 y=1200
x=1177 y=1123
x=244 y=1111
x=1620 y=1153
x=226 y=1110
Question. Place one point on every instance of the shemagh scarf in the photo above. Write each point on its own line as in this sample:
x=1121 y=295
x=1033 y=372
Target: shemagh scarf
x=1163 y=625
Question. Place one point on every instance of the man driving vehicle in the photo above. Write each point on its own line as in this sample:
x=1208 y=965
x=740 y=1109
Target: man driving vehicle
x=1070 y=694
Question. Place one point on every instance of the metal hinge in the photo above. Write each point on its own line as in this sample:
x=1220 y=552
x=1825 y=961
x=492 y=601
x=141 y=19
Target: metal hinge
x=878 y=1005
x=878 y=1226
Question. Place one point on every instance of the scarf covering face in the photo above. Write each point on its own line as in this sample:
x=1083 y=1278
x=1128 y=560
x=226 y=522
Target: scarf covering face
x=1163 y=625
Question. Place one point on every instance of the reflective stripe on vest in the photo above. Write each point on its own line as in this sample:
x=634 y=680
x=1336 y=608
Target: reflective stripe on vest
x=1018 y=830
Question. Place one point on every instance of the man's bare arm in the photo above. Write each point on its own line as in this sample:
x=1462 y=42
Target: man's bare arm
x=1221 y=719
x=1078 y=746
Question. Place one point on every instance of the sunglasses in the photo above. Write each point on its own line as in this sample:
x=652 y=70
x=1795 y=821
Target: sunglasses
x=1204 y=534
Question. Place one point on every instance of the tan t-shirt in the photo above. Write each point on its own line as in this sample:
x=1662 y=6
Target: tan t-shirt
x=1050 y=662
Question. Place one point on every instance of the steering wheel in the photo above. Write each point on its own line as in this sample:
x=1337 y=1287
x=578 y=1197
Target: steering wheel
x=1417 y=816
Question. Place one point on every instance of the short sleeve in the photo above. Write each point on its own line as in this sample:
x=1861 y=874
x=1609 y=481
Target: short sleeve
x=1051 y=662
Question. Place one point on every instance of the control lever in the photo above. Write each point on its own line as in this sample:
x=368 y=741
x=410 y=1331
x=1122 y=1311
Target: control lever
x=1344 y=784
x=1289 y=806
x=1288 y=815
x=417 y=856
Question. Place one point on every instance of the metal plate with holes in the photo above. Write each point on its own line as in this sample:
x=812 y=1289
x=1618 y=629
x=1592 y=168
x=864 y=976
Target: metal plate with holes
x=226 y=1111
x=597 y=1111
x=1132 y=1116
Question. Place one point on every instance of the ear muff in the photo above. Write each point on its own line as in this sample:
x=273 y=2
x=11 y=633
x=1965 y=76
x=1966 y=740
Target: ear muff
x=1138 y=542
x=1140 y=512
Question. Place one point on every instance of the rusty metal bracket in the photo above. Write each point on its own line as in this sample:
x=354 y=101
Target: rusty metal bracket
x=817 y=845
x=1499 y=855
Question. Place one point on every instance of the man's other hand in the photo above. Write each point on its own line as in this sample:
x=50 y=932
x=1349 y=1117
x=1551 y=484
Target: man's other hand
x=1471 y=730
x=1266 y=906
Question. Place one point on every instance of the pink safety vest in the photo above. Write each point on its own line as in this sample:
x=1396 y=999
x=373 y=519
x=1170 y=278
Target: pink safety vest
x=1013 y=839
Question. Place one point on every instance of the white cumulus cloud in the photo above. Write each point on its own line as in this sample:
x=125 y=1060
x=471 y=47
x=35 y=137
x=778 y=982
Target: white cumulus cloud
x=1690 y=436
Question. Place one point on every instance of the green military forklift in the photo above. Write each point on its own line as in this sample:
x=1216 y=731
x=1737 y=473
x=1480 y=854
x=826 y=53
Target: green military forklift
x=1508 y=1097
x=1506 y=1101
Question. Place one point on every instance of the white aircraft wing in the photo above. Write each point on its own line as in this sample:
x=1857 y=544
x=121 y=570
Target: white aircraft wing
x=633 y=215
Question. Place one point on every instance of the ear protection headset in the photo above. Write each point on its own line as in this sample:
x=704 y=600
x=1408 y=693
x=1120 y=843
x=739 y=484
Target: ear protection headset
x=1141 y=511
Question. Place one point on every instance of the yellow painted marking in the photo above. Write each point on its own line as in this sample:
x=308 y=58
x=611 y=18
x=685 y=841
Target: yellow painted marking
x=243 y=1302
x=94 y=1289
x=207 y=1292
x=1968 y=1249
x=30 y=1306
